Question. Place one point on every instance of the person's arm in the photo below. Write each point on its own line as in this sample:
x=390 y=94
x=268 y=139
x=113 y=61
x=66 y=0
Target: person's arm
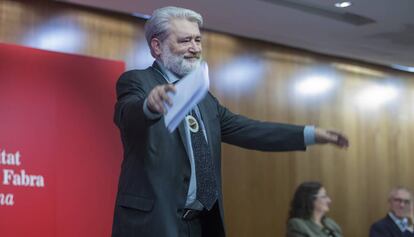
x=136 y=107
x=269 y=136
x=130 y=99
x=259 y=135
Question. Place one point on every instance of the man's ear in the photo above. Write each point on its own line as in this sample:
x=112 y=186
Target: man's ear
x=156 y=47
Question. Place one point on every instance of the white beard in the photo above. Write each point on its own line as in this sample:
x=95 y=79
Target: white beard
x=177 y=63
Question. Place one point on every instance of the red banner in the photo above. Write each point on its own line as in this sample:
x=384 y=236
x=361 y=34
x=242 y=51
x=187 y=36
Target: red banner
x=60 y=152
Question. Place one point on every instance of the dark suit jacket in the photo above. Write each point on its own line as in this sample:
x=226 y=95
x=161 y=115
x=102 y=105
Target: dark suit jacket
x=386 y=227
x=155 y=171
x=298 y=227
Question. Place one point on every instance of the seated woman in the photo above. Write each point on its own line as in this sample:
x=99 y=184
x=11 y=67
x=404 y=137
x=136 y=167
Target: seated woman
x=307 y=216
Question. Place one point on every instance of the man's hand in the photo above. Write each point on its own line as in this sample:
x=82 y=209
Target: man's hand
x=323 y=136
x=158 y=96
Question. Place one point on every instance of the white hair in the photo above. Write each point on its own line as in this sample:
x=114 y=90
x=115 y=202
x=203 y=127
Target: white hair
x=159 y=24
x=396 y=189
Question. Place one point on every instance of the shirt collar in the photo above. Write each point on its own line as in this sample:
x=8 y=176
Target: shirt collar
x=401 y=223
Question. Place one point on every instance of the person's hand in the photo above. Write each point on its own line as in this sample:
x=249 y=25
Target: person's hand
x=158 y=96
x=323 y=136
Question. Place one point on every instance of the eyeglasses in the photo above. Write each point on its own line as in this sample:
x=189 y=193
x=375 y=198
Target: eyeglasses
x=403 y=201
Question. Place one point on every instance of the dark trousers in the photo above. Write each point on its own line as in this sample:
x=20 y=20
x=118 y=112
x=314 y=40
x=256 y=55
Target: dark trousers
x=207 y=224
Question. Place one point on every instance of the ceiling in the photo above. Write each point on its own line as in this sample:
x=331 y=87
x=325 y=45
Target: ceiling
x=379 y=32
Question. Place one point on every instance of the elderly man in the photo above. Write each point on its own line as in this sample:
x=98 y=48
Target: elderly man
x=170 y=183
x=399 y=221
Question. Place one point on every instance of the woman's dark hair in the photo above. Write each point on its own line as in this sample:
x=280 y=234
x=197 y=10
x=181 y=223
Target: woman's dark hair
x=302 y=202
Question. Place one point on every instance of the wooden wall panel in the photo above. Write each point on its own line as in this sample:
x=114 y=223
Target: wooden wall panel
x=257 y=79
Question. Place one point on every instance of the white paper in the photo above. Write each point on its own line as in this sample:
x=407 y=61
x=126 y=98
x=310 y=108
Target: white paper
x=190 y=90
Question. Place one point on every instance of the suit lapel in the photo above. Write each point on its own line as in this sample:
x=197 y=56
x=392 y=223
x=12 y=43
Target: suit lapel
x=161 y=79
x=393 y=225
x=159 y=76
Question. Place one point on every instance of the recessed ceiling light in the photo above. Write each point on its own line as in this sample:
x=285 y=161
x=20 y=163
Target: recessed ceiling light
x=343 y=4
x=375 y=96
x=313 y=85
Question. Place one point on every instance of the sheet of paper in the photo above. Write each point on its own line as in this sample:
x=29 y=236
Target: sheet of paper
x=190 y=90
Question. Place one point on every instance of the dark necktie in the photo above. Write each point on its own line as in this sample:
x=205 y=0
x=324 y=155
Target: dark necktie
x=204 y=167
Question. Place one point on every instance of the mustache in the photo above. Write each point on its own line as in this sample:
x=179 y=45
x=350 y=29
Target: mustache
x=196 y=56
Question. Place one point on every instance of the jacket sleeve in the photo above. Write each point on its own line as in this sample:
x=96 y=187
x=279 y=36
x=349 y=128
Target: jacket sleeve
x=131 y=94
x=259 y=135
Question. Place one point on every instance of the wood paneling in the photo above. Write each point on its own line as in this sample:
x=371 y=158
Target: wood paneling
x=258 y=186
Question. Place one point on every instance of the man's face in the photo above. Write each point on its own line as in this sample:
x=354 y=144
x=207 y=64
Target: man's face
x=181 y=50
x=400 y=203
